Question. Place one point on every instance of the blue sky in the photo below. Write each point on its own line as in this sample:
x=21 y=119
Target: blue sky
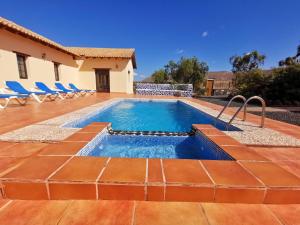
x=212 y=30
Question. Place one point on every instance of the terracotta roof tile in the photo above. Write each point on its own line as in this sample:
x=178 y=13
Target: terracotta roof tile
x=128 y=53
x=15 y=28
x=103 y=52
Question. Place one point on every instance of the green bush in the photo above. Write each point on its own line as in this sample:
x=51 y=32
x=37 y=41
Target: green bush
x=281 y=86
x=160 y=76
x=285 y=86
x=254 y=82
x=185 y=71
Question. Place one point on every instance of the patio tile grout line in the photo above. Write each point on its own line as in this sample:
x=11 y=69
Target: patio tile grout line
x=264 y=185
x=8 y=147
x=47 y=180
x=164 y=178
x=64 y=211
x=6 y=205
x=133 y=213
x=204 y=212
x=99 y=176
x=279 y=220
x=146 y=180
x=210 y=177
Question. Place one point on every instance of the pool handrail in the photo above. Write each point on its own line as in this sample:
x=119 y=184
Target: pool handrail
x=263 y=104
x=228 y=104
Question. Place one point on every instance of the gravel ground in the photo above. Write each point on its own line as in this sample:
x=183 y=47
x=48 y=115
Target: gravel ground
x=40 y=133
x=272 y=113
x=222 y=102
x=288 y=117
x=251 y=133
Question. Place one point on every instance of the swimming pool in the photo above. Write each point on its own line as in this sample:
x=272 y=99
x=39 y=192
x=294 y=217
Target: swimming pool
x=131 y=146
x=151 y=115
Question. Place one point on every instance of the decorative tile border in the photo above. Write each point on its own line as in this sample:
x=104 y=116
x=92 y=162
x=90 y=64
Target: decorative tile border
x=184 y=90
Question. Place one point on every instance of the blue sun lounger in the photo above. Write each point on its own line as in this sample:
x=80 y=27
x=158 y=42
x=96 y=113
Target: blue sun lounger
x=61 y=87
x=73 y=87
x=61 y=94
x=39 y=96
x=21 y=99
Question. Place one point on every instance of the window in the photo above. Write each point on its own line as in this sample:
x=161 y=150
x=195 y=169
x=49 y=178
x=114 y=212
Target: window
x=56 y=71
x=22 y=66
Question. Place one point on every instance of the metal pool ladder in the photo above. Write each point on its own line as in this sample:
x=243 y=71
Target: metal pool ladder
x=228 y=104
x=263 y=104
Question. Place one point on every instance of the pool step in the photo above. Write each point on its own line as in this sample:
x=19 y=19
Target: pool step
x=150 y=133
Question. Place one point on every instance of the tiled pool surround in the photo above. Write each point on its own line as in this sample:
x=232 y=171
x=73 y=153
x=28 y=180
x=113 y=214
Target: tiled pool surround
x=57 y=173
x=52 y=131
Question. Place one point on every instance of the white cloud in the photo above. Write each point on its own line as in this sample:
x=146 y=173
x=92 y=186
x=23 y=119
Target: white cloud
x=179 y=51
x=205 y=34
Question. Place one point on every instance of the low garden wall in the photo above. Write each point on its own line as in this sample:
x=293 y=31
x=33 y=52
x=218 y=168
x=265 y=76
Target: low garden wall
x=184 y=90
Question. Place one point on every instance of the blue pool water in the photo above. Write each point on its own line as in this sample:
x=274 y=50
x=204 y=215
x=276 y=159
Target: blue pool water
x=128 y=146
x=134 y=115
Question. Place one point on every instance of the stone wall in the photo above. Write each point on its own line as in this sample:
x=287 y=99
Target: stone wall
x=184 y=90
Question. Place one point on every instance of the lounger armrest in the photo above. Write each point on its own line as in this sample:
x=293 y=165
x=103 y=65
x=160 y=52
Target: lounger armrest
x=34 y=89
x=7 y=90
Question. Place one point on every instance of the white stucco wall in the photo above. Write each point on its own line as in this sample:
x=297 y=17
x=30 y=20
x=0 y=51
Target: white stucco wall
x=120 y=81
x=39 y=68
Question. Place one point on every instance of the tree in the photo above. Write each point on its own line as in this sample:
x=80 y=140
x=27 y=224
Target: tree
x=171 y=69
x=291 y=60
x=285 y=87
x=160 y=76
x=254 y=82
x=191 y=70
x=186 y=70
x=247 y=62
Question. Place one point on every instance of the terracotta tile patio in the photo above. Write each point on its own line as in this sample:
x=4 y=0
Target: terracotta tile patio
x=52 y=171
x=145 y=213
x=247 y=179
